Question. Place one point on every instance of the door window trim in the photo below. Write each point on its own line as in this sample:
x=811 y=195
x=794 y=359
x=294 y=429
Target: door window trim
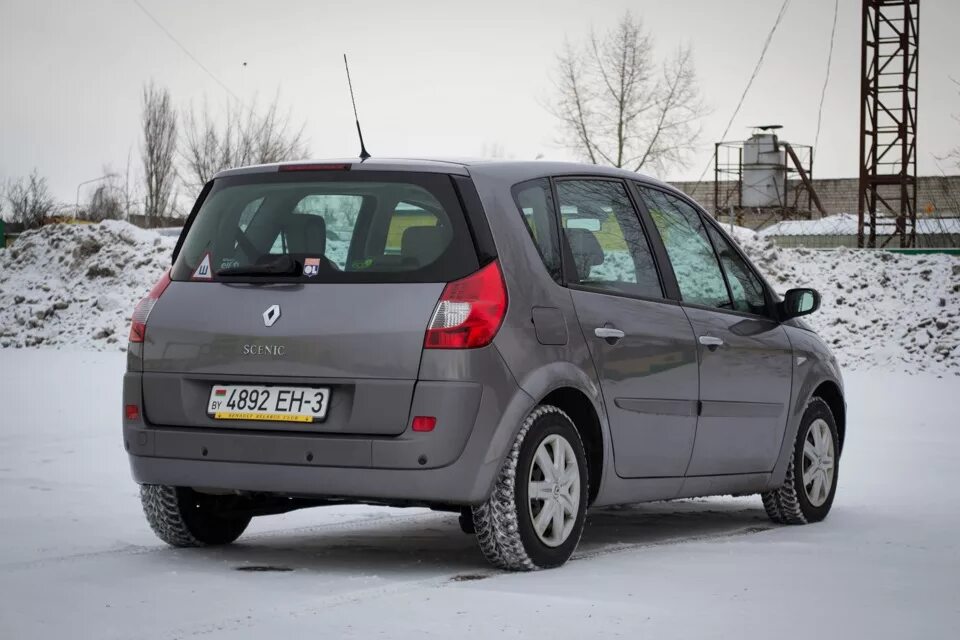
x=767 y=297
x=566 y=259
x=554 y=231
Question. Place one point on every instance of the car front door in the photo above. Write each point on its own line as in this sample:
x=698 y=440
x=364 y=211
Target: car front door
x=746 y=361
x=642 y=343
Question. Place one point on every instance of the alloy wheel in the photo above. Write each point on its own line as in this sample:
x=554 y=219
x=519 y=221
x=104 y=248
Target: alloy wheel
x=554 y=490
x=818 y=462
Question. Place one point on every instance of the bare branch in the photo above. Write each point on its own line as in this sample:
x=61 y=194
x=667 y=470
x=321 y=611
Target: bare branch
x=31 y=203
x=159 y=123
x=238 y=139
x=617 y=110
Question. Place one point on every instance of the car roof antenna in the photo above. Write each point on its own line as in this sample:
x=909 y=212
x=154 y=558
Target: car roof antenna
x=363 y=150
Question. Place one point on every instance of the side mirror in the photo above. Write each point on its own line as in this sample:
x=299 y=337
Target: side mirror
x=799 y=302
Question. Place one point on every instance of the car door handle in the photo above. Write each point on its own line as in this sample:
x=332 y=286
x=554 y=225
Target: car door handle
x=711 y=342
x=608 y=333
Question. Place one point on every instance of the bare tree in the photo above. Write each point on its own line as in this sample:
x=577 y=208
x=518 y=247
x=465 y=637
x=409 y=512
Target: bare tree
x=107 y=201
x=242 y=136
x=159 y=122
x=31 y=203
x=126 y=188
x=954 y=154
x=620 y=107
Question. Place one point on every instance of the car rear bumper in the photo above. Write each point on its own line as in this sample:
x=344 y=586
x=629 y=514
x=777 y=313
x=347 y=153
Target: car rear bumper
x=455 y=463
x=466 y=481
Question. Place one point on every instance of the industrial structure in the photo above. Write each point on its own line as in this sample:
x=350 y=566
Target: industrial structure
x=765 y=173
x=887 y=208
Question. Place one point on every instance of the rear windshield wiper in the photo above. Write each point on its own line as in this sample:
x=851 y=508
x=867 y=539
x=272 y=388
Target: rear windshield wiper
x=281 y=266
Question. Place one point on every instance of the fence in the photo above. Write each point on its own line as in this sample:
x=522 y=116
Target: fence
x=841 y=231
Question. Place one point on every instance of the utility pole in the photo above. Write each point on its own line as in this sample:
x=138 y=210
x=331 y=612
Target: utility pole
x=888 y=123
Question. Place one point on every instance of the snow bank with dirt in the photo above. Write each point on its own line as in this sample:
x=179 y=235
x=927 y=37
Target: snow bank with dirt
x=76 y=285
x=880 y=309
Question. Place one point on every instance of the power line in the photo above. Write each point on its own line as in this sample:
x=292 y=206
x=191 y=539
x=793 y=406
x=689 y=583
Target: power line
x=191 y=56
x=753 y=76
x=826 y=79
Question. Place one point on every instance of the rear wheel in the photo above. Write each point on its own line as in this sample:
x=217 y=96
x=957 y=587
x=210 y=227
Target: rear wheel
x=182 y=517
x=807 y=492
x=535 y=515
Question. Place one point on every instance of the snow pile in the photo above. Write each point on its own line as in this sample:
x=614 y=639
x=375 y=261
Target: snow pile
x=845 y=224
x=880 y=309
x=76 y=285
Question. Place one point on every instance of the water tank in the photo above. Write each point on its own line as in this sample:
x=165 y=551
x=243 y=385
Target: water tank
x=764 y=171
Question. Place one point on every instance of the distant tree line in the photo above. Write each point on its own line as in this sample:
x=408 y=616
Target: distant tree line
x=176 y=151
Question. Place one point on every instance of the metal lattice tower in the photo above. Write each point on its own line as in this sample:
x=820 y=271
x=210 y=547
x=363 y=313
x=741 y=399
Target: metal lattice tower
x=888 y=123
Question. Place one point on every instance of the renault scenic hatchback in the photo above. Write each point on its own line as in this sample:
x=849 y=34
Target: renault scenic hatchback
x=514 y=341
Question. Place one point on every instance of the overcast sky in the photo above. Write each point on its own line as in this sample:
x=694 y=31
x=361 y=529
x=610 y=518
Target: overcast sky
x=432 y=78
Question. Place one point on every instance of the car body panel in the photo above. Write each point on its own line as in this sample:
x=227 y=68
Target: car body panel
x=327 y=335
x=744 y=393
x=649 y=381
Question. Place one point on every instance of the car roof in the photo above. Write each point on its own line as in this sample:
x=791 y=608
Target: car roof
x=511 y=170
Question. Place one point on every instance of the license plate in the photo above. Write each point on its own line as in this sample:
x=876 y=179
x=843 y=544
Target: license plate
x=272 y=404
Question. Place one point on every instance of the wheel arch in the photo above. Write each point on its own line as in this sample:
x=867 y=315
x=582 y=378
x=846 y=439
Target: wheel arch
x=575 y=391
x=586 y=420
x=830 y=392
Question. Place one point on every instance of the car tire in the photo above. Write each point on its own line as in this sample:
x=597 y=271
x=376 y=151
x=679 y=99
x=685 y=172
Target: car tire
x=509 y=527
x=182 y=517
x=810 y=485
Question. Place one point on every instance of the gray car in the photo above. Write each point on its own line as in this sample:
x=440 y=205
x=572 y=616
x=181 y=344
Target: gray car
x=514 y=341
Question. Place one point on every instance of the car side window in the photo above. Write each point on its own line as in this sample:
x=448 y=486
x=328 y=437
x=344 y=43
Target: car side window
x=607 y=244
x=746 y=287
x=535 y=202
x=689 y=249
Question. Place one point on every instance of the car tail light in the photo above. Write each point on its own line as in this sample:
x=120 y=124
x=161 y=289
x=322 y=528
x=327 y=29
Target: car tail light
x=138 y=323
x=132 y=412
x=424 y=423
x=469 y=312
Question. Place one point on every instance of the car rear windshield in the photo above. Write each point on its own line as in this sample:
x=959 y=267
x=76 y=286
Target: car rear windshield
x=328 y=226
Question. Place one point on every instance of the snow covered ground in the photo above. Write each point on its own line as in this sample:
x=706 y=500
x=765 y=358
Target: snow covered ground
x=78 y=560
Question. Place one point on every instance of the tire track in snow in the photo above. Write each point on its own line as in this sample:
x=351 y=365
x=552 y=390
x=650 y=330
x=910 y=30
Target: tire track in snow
x=324 y=603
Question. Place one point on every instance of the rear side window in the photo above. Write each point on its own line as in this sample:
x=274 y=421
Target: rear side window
x=343 y=226
x=535 y=202
x=607 y=244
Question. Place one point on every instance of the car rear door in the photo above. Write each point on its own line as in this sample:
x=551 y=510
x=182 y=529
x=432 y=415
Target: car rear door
x=745 y=356
x=641 y=343
x=371 y=253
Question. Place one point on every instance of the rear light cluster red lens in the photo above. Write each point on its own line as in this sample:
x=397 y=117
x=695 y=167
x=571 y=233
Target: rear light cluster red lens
x=138 y=323
x=424 y=423
x=131 y=412
x=469 y=312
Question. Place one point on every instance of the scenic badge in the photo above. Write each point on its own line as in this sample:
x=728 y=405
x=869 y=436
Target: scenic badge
x=311 y=267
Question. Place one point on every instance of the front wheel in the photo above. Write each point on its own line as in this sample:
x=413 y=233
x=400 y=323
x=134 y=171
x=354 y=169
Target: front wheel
x=807 y=492
x=535 y=515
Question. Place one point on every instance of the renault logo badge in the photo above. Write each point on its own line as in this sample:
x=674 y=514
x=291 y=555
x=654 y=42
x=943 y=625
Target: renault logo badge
x=271 y=315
